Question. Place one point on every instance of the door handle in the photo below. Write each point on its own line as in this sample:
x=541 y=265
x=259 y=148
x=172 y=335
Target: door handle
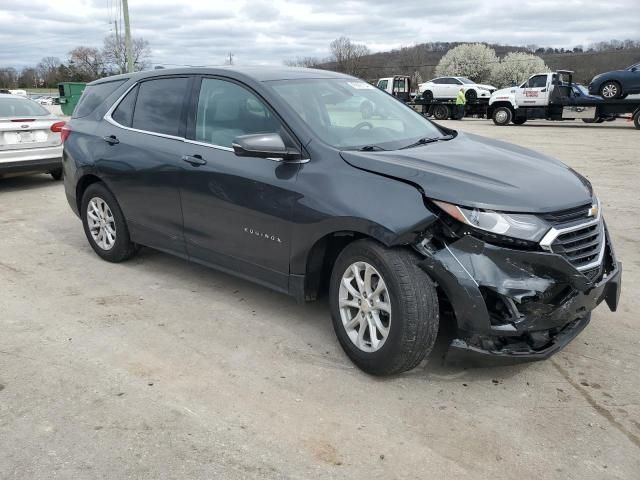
x=111 y=140
x=194 y=160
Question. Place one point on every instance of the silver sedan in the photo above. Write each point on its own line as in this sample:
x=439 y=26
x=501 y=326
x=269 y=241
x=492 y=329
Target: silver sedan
x=30 y=138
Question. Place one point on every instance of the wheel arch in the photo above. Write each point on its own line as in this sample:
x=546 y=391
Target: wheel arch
x=82 y=185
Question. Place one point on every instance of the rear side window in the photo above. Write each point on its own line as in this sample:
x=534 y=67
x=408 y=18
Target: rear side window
x=21 y=107
x=93 y=96
x=123 y=114
x=159 y=105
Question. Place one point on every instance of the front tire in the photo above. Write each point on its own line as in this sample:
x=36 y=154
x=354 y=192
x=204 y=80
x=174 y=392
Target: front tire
x=56 y=174
x=502 y=116
x=519 y=121
x=610 y=90
x=105 y=226
x=636 y=120
x=384 y=307
x=471 y=95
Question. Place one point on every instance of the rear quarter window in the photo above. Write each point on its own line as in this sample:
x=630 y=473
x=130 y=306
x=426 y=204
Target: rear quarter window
x=93 y=96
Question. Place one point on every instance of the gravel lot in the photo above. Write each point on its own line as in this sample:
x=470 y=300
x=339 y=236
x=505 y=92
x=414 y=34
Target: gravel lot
x=159 y=368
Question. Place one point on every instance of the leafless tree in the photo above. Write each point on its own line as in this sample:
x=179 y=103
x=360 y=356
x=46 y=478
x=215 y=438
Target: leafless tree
x=307 y=62
x=113 y=54
x=348 y=56
x=8 y=77
x=87 y=61
x=48 y=70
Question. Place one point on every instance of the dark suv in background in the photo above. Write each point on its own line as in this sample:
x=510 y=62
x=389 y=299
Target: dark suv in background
x=274 y=175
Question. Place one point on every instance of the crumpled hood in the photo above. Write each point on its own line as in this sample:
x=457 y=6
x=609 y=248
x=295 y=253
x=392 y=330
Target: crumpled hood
x=479 y=172
x=487 y=87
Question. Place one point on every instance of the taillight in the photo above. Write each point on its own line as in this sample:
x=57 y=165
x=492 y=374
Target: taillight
x=57 y=127
x=65 y=131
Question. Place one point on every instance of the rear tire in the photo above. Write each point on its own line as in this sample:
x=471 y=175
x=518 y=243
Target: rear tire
x=502 y=116
x=101 y=214
x=441 y=112
x=56 y=174
x=427 y=95
x=636 y=119
x=410 y=295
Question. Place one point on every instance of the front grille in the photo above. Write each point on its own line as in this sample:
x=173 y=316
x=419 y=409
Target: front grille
x=567 y=216
x=581 y=246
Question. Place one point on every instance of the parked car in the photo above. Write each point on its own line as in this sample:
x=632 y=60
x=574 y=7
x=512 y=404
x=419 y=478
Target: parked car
x=448 y=87
x=30 y=138
x=616 y=84
x=251 y=171
x=45 y=100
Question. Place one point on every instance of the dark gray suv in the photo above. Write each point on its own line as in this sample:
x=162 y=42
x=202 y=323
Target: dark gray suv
x=274 y=175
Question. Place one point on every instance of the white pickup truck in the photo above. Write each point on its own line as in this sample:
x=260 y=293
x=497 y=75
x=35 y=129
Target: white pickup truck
x=554 y=96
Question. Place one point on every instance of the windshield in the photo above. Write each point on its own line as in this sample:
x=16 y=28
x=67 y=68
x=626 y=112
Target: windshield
x=21 y=107
x=635 y=65
x=465 y=80
x=350 y=114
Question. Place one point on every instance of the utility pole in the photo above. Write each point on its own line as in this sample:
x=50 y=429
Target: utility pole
x=115 y=24
x=231 y=58
x=127 y=36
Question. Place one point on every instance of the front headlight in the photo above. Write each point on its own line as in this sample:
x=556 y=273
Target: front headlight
x=516 y=225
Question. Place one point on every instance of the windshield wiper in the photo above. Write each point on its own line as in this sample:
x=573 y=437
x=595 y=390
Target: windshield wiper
x=425 y=140
x=371 y=148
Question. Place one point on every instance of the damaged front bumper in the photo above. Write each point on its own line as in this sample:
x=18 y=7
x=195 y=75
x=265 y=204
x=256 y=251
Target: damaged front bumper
x=516 y=304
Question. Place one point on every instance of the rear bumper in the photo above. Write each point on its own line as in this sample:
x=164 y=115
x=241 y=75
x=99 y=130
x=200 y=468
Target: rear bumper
x=513 y=305
x=31 y=160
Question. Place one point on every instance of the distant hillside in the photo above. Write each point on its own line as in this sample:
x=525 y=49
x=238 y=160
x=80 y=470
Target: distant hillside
x=424 y=58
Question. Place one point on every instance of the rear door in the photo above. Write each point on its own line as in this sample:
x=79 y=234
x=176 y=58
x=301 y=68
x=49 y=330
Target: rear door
x=140 y=159
x=237 y=210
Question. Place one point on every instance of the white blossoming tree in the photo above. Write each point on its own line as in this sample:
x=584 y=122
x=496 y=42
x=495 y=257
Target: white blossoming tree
x=515 y=68
x=472 y=60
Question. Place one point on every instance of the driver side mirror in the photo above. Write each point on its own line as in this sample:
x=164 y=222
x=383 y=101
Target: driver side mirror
x=265 y=145
x=634 y=69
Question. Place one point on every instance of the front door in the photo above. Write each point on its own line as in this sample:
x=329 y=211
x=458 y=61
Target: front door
x=535 y=92
x=237 y=210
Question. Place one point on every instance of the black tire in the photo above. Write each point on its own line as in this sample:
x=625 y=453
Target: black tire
x=611 y=86
x=441 y=112
x=471 y=95
x=636 y=119
x=123 y=248
x=56 y=174
x=427 y=95
x=414 y=323
x=519 y=121
x=502 y=116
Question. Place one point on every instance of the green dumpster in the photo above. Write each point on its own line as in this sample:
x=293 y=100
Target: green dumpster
x=70 y=93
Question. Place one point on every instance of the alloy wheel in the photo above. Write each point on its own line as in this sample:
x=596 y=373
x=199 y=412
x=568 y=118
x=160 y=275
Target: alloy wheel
x=610 y=90
x=365 y=306
x=101 y=222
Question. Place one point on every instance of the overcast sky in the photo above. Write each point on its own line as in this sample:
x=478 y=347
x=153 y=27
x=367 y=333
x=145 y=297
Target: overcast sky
x=201 y=32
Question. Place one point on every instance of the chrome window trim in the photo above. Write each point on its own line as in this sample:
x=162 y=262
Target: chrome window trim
x=109 y=118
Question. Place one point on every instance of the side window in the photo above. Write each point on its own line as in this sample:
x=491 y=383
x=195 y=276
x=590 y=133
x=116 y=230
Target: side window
x=438 y=81
x=382 y=84
x=123 y=114
x=455 y=81
x=226 y=110
x=158 y=106
x=539 y=81
x=93 y=96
